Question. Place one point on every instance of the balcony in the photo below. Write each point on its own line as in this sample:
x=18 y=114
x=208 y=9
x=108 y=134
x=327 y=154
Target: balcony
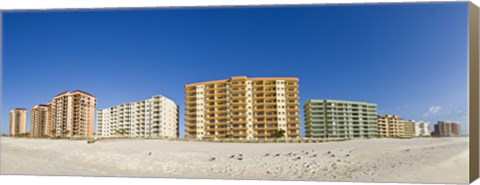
x=293 y=116
x=238 y=122
x=221 y=129
x=239 y=135
x=291 y=92
x=220 y=123
x=265 y=122
x=292 y=110
x=190 y=125
x=239 y=128
x=209 y=100
x=293 y=104
x=190 y=102
x=293 y=134
x=239 y=97
x=239 y=103
x=210 y=129
x=238 y=85
x=270 y=115
x=270 y=97
x=293 y=122
x=265 y=128
x=209 y=124
x=221 y=111
x=239 y=109
x=293 y=128
x=262 y=135
x=239 y=91
x=221 y=117
x=239 y=116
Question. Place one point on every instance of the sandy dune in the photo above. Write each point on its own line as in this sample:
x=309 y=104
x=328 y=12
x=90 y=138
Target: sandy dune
x=423 y=160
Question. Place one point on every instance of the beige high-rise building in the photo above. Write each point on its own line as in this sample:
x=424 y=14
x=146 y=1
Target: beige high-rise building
x=409 y=130
x=243 y=108
x=72 y=114
x=39 y=121
x=390 y=126
x=18 y=121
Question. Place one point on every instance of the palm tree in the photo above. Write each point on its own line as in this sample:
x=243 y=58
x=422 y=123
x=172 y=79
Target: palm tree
x=280 y=133
x=121 y=131
x=53 y=132
x=65 y=132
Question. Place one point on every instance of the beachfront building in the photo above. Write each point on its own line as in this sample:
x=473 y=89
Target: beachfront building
x=156 y=117
x=18 y=122
x=72 y=114
x=39 y=121
x=446 y=129
x=422 y=128
x=409 y=129
x=340 y=119
x=243 y=108
x=390 y=126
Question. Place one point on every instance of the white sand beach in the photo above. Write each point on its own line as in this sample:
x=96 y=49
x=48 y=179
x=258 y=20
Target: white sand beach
x=421 y=160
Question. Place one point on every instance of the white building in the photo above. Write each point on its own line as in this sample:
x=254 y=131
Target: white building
x=156 y=117
x=421 y=128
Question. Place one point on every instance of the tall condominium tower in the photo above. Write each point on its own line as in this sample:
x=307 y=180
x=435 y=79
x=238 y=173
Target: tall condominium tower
x=39 y=121
x=243 y=108
x=18 y=121
x=72 y=114
x=155 y=117
x=446 y=129
x=340 y=119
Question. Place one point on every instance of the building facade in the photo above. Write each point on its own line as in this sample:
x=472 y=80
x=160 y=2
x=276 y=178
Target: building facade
x=72 y=114
x=243 y=108
x=39 y=121
x=446 y=129
x=157 y=117
x=422 y=128
x=18 y=121
x=391 y=126
x=409 y=129
x=340 y=119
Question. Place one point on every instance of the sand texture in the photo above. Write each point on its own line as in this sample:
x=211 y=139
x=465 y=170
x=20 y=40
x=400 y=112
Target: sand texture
x=420 y=160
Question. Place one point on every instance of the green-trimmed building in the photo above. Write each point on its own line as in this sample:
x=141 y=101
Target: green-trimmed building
x=340 y=119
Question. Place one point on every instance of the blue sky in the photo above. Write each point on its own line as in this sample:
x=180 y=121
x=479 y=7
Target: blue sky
x=410 y=59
